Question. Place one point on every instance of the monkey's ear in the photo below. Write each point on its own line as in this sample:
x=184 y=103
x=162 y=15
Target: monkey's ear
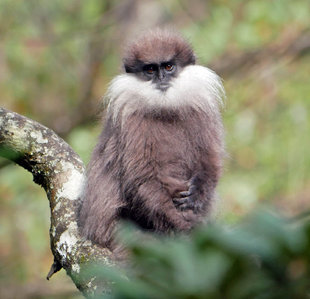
x=195 y=59
x=128 y=65
x=128 y=69
x=192 y=59
x=132 y=66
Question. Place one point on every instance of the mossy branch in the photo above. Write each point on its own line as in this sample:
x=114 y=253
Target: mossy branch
x=60 y=171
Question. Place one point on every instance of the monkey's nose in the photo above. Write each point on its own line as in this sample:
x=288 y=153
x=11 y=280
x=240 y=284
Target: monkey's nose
x=161 y=75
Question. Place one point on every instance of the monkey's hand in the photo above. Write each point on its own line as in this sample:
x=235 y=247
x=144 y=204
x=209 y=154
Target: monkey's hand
x=188 y=200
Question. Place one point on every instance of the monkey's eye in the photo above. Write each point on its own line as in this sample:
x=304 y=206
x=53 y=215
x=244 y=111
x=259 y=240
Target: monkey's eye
x=150 y=69
x=169 y=67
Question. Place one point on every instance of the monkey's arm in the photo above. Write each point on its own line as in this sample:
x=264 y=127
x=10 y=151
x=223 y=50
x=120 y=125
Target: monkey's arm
x=159 y=207
x=101 y=200
x=99 y=210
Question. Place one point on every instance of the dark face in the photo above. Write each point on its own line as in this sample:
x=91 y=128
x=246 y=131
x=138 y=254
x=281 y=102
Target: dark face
x=160 y=74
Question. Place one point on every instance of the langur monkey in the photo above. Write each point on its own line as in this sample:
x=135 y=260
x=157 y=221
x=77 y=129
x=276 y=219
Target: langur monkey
x=159 y=156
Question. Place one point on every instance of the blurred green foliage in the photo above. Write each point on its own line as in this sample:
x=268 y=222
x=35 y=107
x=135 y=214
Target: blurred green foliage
x=57 y=57
x=263 y=257
x=268 y=140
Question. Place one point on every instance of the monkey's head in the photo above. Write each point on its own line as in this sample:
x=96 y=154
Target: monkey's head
x=158 y=56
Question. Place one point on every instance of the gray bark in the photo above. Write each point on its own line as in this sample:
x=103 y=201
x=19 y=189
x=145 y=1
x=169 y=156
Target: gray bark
x=60 y=171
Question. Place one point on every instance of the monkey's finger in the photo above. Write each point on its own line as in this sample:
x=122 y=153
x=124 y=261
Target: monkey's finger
x=185 y=203
x=188 y=203
x=185 y=193
x=180 y=201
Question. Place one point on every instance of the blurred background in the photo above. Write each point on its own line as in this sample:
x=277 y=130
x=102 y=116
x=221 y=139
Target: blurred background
x=57 y=58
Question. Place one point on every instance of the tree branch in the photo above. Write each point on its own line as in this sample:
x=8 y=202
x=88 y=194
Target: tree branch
x=60 y=171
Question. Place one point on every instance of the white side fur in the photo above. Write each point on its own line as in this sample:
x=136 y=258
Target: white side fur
x=196 y=86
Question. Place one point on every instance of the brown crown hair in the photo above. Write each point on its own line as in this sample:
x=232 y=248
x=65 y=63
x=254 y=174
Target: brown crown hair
x=157 y=46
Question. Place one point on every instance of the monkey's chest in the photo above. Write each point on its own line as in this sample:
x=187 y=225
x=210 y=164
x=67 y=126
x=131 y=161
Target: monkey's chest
x=159 y=147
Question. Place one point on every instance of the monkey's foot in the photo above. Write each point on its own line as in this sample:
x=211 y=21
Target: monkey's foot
x=187 y=200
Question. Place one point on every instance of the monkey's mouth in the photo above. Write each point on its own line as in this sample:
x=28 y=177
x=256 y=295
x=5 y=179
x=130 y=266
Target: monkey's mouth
x=163 y=86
